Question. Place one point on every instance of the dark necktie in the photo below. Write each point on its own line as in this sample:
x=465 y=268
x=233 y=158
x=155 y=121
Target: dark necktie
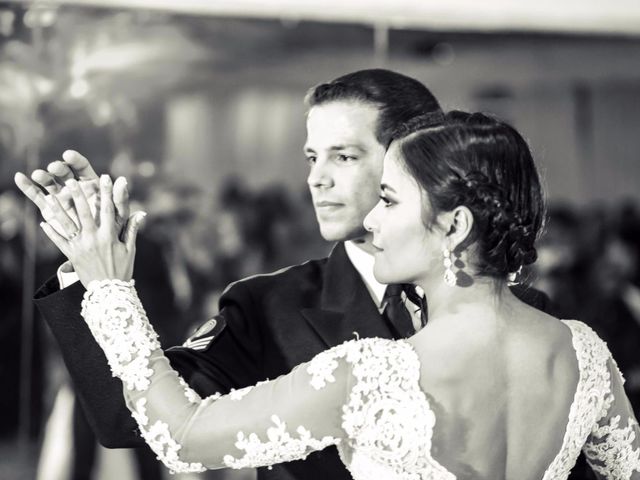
x=395 y=311
x=418 y=301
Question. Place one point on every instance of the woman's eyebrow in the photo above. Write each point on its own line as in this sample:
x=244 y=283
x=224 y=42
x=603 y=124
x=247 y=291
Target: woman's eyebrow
x=385 y=187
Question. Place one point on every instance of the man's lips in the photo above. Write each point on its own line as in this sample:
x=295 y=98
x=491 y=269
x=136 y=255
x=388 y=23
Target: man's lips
x=376 y=247
x=327 y=204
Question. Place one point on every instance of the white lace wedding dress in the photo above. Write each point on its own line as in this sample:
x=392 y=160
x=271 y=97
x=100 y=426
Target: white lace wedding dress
x=362 y=396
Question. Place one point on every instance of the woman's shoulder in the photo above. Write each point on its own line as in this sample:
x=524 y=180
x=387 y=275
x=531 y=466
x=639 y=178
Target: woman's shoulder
x=363 y=359
x=563 y=346
x=538 y=330
x=580 y=331
x=590 y=348
x=538 y=347
x=572 y=335
x=361 y=350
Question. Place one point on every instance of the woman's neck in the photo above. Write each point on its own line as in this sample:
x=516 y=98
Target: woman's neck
x=484 y=295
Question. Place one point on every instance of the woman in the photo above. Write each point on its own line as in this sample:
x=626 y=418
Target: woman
x=489 y=389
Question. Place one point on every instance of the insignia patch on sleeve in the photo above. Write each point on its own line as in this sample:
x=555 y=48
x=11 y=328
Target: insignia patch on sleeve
x=206 y=333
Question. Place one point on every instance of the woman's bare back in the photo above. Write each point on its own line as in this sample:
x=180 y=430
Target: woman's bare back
x=498 y=387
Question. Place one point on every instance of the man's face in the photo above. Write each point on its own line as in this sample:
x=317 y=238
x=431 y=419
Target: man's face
x=345 y=161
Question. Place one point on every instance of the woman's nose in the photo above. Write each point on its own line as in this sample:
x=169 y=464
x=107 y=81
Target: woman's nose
x=370 y=222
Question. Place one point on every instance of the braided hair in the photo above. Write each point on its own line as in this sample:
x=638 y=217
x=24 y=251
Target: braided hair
x=474 y=160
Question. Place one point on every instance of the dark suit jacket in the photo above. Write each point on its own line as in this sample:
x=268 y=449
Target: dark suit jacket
x=267 y=325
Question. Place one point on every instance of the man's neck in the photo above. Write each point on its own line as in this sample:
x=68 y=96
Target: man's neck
x=363 y=263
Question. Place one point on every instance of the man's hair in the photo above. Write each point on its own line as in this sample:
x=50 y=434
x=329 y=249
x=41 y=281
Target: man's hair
x=397 y=97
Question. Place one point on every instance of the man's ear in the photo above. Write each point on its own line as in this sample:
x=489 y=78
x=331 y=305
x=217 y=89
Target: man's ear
x=459 y=223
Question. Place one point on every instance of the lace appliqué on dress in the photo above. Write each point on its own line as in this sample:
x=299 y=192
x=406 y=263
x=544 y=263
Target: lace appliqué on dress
x=190 y=393
x=321 y=369
x=387 y=416
x=159 y=439
x=280 y=447
x=591 y=397
x=614 y=456
x=117 y=320
x=115 y=316
x=610 y=449
x=243 y=392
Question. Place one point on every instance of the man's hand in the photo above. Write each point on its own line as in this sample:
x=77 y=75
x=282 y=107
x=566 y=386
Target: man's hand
x=58 y=172
x=59 y=198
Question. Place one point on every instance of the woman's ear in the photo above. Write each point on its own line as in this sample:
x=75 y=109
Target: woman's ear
x=459 y=223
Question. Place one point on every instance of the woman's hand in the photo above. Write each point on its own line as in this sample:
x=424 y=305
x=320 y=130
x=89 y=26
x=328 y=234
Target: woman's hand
x=95 y=248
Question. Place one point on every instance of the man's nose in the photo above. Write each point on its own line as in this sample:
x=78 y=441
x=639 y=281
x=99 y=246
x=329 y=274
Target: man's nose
x=320 y=175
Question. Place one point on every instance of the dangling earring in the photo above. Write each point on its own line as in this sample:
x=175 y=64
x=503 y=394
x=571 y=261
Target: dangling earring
x=511 y=277
x=449 y=276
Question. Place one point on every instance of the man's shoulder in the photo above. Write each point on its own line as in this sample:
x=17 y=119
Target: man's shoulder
x=307 y=274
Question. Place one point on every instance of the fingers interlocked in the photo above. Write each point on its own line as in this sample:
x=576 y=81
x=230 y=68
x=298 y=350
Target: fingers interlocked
x=107 y=208
x=49 y=205
x=86 y=218
x=103 y=228
x=105 y=224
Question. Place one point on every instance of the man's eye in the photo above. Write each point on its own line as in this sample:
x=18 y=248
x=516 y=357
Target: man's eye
x=346 y=158
x=310 y=159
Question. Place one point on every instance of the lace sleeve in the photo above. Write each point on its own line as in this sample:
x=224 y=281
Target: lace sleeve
x=271 y=422
x=613 y=446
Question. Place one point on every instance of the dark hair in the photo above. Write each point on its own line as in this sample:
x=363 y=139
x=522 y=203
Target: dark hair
x=398 y=97
x=477 y=161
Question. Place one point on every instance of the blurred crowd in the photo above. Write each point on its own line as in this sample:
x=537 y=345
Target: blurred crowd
x=195 y=243
x=589 y=265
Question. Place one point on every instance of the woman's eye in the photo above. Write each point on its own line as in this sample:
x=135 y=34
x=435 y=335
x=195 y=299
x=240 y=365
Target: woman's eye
x=385 y=200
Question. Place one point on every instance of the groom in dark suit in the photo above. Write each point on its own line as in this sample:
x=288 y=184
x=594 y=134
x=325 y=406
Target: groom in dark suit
x=270 y=323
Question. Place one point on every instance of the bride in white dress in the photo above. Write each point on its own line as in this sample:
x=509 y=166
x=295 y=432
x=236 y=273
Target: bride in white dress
x=490 y=389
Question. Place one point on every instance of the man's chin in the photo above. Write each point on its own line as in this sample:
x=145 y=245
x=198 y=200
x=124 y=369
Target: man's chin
x=386 y=277
x=332 y=236
x=341 y=234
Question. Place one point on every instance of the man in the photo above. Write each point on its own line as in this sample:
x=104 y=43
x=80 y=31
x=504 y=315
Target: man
x=269 y=323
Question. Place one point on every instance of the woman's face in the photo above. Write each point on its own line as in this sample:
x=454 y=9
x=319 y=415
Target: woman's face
x=406 y=251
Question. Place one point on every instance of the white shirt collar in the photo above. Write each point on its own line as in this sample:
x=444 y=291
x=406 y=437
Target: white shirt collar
x=363 y=263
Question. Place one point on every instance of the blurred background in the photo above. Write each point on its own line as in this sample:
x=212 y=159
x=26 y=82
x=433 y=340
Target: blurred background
x=199 y=103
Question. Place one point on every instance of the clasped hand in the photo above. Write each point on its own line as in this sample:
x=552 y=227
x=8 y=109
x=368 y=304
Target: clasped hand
x=95 y=248
x=87 y=219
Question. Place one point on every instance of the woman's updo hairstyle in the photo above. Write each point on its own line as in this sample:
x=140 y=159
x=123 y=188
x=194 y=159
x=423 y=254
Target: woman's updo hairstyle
x=473 y=160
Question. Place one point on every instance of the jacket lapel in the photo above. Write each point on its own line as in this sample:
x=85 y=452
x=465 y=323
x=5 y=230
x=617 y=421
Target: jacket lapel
x=346 y=308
